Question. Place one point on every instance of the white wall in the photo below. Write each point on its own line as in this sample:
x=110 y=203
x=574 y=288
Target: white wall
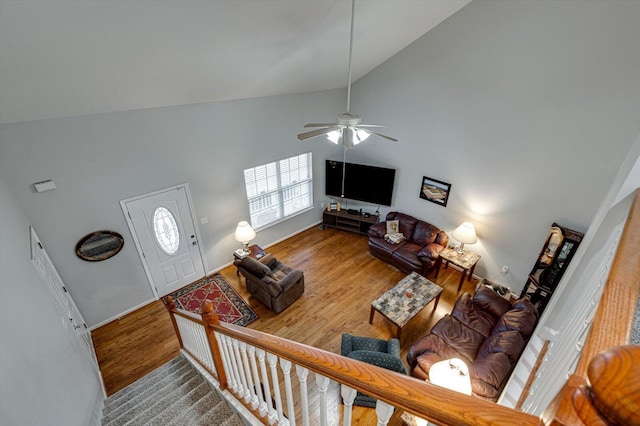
x=526 y=108
x=96 y=161
x=47 y=376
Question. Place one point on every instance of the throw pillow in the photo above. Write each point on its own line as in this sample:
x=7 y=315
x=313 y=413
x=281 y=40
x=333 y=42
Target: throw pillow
x=393 y=226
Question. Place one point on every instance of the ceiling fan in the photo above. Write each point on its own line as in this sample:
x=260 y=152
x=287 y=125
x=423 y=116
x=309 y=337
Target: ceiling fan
x=347 y=129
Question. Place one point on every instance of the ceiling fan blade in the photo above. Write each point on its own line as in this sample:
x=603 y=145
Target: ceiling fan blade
x=370 y=125
x=384 y=136
x=319 y=124
x=318 y=132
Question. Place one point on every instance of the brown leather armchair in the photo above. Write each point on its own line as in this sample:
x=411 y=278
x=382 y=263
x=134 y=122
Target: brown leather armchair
x=271 y=282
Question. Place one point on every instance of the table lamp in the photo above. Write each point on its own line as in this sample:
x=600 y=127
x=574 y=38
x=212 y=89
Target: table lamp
x=465 y=234
x=451 y=374
x=244 y=234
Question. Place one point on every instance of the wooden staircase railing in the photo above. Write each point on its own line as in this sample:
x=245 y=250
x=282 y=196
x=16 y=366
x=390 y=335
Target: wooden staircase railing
x=607 y=368
x=235 y=362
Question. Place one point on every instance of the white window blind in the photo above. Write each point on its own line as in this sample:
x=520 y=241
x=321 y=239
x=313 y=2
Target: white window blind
x=279 y=189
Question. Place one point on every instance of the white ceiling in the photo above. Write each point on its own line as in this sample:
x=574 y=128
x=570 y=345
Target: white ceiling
x=71 y=58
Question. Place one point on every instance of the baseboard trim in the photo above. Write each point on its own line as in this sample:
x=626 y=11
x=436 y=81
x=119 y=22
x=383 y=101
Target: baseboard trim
x=120 y=315
x=221 y=267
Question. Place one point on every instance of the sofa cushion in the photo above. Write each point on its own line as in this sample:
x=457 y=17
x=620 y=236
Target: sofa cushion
x=470 y=315
x=488 y=375
x=254 y=267
x=510 y=343
x=269 y=260
x=525 y=304
x=407 y=223
x=521 y=320
x=408 y=253
x=460 y=337
x=491 y=302
x=424 y=233
x=382 y=249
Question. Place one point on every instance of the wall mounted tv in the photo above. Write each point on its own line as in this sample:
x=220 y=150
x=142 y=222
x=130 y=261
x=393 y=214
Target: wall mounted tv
x=363 y=183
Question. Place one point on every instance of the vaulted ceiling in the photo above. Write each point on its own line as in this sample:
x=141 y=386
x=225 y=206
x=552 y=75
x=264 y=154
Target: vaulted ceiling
x=72 y=58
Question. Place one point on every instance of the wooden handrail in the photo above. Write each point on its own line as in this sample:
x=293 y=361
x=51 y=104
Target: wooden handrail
x=420 y=398
x=526 y=390
x=415 y=396
x=613 y=321
x=611 y=327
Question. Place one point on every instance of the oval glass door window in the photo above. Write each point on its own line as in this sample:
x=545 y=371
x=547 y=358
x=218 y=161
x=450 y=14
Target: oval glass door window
x=166 y=230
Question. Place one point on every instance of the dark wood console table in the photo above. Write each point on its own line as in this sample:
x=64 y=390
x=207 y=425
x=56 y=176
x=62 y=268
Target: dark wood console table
x=349 y=222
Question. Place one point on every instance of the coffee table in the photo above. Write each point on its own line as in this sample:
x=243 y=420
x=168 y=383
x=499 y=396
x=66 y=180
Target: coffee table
x=405 y=300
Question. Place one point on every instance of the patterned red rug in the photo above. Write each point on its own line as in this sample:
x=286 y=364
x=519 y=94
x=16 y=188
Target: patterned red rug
x=227 y=303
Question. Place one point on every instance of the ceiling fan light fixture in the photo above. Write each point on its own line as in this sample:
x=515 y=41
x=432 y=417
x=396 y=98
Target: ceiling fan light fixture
x=335 y=136
x=347 y=130
x=362 y=134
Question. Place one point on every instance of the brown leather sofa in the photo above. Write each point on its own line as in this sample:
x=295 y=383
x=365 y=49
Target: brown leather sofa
x=420 y=250
x=485 y=331
x=271 y=282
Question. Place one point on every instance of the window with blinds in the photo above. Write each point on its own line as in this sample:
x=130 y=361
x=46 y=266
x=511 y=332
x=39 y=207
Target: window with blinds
x=278 y=190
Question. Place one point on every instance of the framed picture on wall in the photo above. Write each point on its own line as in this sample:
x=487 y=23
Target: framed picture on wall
x=435 y=191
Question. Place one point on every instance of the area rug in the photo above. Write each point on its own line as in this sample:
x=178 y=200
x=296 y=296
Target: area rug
x=227 y=303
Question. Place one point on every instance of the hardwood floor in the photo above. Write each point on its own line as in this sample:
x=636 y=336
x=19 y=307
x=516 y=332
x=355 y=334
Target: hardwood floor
x=341 y=280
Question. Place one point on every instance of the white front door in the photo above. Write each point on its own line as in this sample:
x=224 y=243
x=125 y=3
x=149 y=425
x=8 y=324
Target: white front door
x=164 y=230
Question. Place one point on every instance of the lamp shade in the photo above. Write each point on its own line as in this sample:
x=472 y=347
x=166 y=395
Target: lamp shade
x=451 y=374
x=465 y=233
x=244 y=232
x=348 y=136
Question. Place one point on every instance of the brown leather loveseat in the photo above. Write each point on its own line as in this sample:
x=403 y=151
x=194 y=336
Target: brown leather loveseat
x=485 y=331
x=418 y=253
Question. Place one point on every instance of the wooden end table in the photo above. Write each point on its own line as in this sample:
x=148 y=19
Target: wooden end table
x=466 y=260
x=255 y=251
x=405 y=300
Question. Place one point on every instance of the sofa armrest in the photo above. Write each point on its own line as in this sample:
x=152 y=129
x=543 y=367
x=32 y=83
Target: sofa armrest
x=271 y=286
x=442 y=238
x=377 y=230
x=379 y=359
x=430 y=251
x=291 y=279
x=393 y=347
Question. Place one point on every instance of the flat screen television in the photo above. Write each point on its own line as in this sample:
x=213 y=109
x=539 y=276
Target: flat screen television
x=362 y=183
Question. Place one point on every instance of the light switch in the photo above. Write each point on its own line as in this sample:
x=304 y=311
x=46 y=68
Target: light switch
x=45 y=185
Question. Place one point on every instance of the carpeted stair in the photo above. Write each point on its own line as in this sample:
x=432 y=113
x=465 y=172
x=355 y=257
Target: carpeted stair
x=174 y=394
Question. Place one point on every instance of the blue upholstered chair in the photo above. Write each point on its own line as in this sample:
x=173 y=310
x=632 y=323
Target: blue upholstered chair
x=378 y=352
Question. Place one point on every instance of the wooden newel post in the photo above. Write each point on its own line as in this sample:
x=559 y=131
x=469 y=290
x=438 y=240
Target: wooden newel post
x=209 y=317
x=171 y=306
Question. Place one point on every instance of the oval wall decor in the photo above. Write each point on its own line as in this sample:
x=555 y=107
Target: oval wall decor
x=99 y=245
